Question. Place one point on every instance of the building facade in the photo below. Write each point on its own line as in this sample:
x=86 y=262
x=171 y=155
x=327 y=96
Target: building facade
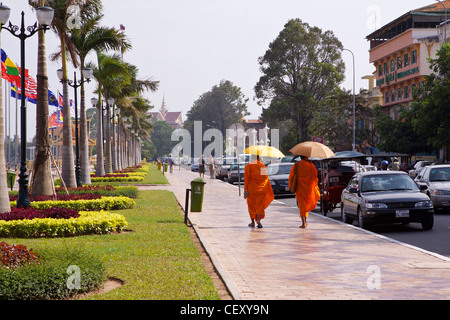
x=173 y=119
x=400 y=51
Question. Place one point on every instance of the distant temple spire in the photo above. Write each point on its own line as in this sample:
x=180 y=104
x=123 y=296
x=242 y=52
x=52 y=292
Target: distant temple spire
x=164 y=106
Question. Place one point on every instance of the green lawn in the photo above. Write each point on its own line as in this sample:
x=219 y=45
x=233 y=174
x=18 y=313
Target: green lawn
x=156 y=259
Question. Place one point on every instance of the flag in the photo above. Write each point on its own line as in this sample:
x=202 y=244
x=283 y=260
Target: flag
x=30 y=89
x=52 y=99
x=122 y=27
x=53 y=121
x=10 y=71
x=60 y=100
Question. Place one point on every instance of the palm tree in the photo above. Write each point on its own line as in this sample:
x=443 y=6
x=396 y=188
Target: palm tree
x=42 y=162
x=62 y=28
x=92 y=37
x=110 y=70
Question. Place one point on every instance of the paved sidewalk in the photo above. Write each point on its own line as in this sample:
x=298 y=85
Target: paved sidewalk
x=328 y=260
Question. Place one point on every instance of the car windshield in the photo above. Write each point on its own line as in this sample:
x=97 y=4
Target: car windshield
x=387 y=183
x=235 y=167
x=440 y=174
x=276 y=169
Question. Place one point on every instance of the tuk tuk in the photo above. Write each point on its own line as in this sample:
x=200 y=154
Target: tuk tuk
x=334 y=176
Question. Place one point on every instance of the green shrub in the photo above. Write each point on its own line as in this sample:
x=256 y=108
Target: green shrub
x=52 y=278
x=89 y=222
x=105 y=203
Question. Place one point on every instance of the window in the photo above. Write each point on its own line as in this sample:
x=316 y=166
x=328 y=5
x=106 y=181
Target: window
x=414 y=57
x=399 y=62
x=413 y=88
x=406 y=59
x=386 y=97
x=399 y=94
x=380 y=70
x=386 y=68
x=406 y=90
x=392 y=95
x=392 y=65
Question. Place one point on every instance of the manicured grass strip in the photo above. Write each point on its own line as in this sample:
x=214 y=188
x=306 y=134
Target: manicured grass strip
x=156 y=260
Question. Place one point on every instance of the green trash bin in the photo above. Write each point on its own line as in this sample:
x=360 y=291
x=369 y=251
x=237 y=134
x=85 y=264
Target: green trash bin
x=197 y=190
x=165 y=167
x=11 y=179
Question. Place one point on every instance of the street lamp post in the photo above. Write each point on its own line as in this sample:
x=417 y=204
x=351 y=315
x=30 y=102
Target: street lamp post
x=354 y=103
x=445 y=22
x=86 y=76
x=44 y=16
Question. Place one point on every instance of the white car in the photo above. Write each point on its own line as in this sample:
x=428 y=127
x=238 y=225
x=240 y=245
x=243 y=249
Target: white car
x=435 y=182
x=418 y=167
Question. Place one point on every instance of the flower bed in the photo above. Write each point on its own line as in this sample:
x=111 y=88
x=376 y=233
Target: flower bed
x=31 y=213
x=61 y=197
x=105 y=203
x=88 y=222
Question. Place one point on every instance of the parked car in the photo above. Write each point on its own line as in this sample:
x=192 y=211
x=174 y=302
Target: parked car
x=194 y=166
x=235 y=170
x=223 y=166
x=279 y=177
x=435 y=182
x=376 y=197
x=418 y=167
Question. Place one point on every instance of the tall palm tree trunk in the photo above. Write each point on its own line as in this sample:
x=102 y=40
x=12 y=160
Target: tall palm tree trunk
x=68 y=166
x=84 y=143
x=42 y=183
x=4 y=196
x=108 y=160
x=100 y=167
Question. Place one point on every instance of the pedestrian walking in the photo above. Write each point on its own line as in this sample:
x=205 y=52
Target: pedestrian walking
x=211 y=166
x=170 y=163
x=257 y=191
x=303 y=182
x=201 y=166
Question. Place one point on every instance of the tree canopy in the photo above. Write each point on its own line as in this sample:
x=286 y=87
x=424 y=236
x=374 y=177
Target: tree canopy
x=302 y=66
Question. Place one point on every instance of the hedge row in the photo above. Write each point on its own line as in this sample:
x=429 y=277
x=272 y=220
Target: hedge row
x=105 y=203
x=89 y=222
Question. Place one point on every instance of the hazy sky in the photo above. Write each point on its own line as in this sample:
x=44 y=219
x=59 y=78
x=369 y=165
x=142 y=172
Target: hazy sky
x=191 y=45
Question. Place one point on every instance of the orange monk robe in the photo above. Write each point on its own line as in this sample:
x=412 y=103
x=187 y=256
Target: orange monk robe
x=307 y=192
x=257 y=184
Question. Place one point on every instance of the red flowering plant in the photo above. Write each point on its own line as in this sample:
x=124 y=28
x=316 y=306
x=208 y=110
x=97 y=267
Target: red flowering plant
x=12 y=256
x=31 y=213
x=63 y=197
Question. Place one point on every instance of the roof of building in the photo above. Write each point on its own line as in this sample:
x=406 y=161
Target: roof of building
x=425 y=17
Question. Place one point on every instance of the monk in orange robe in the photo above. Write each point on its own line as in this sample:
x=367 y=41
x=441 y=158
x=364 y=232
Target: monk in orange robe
x=257 y=191
x=307 y=190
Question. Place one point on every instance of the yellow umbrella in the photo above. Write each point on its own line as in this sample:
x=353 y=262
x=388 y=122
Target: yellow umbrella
x=312 y=150
x=264 y=151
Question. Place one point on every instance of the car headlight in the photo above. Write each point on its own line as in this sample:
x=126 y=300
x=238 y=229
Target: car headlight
x=424 y=204
x=376 y=205
x=441 y=192
x=273 y=183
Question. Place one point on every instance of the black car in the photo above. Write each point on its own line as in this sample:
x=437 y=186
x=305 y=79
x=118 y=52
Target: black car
x=279 y=177
x=376 y=197
x=235 y=171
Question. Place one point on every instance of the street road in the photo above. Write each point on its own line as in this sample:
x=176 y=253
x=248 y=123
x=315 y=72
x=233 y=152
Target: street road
x=436 y=240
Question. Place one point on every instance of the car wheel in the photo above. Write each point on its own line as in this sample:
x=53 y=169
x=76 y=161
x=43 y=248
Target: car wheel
x=361 y=221
x=427 y=223
x=344 y=215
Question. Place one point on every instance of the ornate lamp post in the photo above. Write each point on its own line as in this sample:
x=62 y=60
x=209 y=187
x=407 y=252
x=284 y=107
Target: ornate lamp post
x=44 y=16
x=87 y=74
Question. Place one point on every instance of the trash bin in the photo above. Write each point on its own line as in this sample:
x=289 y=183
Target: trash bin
x=159 y=165
x=165 y=167
x=197 y=190
x=11 y=179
